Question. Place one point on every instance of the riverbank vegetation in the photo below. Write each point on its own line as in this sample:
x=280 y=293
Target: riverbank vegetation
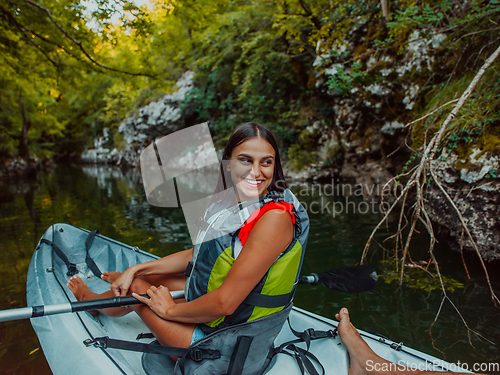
x=67 y=74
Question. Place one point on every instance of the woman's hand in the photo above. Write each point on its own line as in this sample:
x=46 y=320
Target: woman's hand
x=160 y=300
x=122 y=284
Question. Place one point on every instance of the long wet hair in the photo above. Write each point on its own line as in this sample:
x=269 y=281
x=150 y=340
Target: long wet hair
x=241 y=134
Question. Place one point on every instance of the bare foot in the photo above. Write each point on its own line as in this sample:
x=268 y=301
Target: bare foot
x=81 y=291
x=110 y=276
x=361 y=355
x=364 y=361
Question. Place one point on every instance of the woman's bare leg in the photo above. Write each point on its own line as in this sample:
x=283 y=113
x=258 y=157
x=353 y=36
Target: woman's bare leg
x=173 y=282
x=83 y=293
x=359 y=351
x=364 y=361
x=166 y=332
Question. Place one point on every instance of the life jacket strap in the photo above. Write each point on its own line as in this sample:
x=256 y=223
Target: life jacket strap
x=196 y=354
x=268 y=301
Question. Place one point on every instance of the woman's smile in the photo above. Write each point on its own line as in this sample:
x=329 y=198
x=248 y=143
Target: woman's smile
x=254 y=183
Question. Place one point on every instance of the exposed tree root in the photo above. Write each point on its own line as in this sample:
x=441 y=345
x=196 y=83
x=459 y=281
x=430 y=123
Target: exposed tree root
x=419 y=178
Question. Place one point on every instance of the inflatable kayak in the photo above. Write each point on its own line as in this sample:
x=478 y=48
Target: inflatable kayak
x=65 y=250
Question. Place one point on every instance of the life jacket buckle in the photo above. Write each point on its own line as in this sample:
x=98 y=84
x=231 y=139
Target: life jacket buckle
x=196 y=355
x=189 y=269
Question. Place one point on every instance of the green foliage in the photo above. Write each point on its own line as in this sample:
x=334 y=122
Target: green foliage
x=253 y=62
x=438 y=14
x=492 y=174
x=462 y=136
x=304 y=152
x=343 y=82
x=415 y=17
x=417 y=278
x=477 y=124
x=244 y=70
x=300 y=158
x=55 y=63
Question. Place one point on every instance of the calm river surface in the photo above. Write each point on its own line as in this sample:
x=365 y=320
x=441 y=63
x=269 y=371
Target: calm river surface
x=112 y=201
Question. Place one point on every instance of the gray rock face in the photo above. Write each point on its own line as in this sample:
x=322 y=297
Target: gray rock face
x=370 y=118
x=158 y=118
x=476 y=196
x=479 y=208
x=370 y=125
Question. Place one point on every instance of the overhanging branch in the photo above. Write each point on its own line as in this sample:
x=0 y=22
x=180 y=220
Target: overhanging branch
x=79 y=44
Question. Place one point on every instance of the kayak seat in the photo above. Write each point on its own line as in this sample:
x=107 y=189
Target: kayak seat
x=245 y=349
x=154 y=364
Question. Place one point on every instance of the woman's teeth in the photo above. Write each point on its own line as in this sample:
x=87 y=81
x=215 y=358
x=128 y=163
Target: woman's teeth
x=253 y=182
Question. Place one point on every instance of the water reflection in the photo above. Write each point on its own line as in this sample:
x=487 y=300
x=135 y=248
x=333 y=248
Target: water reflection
x=112 y=200
x=167 y=223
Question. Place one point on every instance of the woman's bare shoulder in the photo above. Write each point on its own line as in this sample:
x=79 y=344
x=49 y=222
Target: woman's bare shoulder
x=272 y=222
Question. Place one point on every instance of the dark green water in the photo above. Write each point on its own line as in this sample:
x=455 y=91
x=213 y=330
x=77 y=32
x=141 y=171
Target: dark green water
x=113 y=201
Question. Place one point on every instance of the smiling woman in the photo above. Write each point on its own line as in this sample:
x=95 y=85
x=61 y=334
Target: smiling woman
x=231 y=278
x=253 y=160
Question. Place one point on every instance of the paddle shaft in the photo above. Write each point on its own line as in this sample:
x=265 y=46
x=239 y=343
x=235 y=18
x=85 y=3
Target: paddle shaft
x=36 y=311
x=353 y=279
x=312 y=279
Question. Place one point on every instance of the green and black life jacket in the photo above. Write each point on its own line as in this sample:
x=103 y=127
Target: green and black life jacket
x=216 y=251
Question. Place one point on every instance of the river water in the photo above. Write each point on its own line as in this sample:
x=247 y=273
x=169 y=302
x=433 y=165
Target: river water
x=112 y=200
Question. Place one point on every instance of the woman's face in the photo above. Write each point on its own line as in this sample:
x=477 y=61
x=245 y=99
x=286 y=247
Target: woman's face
x=252 y=168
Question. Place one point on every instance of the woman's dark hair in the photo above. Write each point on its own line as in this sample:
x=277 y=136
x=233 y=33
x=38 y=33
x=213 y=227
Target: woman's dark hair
x=241 y=134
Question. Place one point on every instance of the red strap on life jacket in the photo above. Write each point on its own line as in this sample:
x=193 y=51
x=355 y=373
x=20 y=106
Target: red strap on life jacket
x=247 y=227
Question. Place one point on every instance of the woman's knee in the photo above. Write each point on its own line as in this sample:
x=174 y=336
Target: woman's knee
x=172 y=282
x=139 y=286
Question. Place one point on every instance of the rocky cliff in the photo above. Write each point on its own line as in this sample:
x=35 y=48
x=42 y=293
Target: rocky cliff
x=475 y=194
x=369 y=142
x=158 y=118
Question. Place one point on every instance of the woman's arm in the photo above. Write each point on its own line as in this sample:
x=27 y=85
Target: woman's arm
x=270 y=236
x=171 y=264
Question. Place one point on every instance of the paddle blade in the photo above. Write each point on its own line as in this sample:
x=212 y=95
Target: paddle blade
x=355 y=279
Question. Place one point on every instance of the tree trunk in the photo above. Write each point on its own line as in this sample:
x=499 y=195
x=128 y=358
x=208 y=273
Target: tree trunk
x=385 y=9
x=24 y=151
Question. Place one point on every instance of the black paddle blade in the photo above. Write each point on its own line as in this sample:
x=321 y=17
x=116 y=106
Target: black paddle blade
x=355 y=279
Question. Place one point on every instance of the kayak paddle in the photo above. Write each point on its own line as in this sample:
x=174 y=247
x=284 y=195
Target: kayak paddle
x=355 y=279
x=35 y=311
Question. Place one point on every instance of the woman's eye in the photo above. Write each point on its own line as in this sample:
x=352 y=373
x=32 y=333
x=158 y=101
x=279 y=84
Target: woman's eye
x=245 y=161
x=268 y=162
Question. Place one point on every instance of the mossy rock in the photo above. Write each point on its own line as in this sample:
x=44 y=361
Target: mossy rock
x=477 y=124
x=417 y=277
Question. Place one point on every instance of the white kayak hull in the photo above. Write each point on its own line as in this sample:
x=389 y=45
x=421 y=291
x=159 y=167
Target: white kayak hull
x=62 y=336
